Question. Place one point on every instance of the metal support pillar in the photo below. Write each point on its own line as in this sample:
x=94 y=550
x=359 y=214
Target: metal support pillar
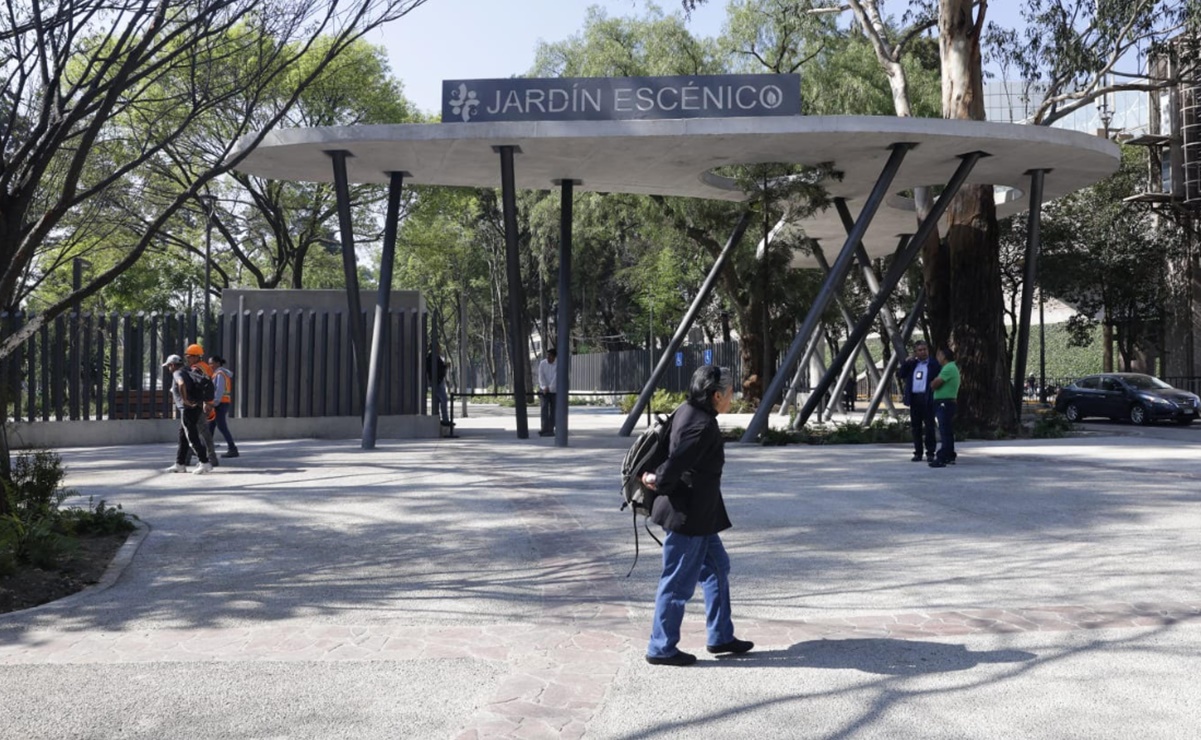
x=685 y=324
x=378 y=333
x=563 y=322
x=794 y=385
x=890 y=368
x=517 y=338
x=350 y=266
x=1033 y=246
x=869 y=361
x=461 y=371
x=899 y=266
x=869 y=273
x=209 y=203
x=830 y=286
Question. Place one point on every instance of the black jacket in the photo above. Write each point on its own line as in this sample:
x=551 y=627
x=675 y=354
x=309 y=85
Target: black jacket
x=905 y=375
x=689 y=481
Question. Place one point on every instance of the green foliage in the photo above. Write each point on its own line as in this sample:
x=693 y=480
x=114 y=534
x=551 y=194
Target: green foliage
x=27 y=531
x=36 y=530
x=1051 y=425
x=1107 y=257
x=97 y=518
x=880 y=431
x=662 y=402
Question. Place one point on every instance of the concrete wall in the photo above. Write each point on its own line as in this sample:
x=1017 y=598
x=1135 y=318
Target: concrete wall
x=54 y=434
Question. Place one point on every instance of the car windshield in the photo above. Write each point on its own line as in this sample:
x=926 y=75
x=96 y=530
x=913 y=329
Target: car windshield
x=1145 y=382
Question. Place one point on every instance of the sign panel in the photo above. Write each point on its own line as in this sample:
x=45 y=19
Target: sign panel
x=679 y=359
x=708 y=357
x=620 y=98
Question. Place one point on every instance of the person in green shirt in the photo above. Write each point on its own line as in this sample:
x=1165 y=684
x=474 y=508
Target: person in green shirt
x=946 y=390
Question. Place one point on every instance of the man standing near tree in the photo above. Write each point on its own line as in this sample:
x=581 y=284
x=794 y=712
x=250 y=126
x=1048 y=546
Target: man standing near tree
x=915 y=375
x=946 y=391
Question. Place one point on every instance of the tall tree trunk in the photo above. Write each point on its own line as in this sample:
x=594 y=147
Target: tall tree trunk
x=975 y=307
x=751 y=346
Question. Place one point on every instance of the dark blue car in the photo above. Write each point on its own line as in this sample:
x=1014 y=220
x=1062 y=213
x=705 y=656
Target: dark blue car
x=1140 y=398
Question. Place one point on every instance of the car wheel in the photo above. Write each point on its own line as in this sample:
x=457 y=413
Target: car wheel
x=1138 y=414
x=1072 y=412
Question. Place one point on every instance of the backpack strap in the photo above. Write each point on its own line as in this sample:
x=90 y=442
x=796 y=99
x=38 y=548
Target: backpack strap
x=647 y=526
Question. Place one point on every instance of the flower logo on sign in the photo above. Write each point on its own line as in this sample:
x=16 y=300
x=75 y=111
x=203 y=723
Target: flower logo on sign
x=463 y=102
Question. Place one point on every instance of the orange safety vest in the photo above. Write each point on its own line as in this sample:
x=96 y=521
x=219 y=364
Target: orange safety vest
x=227 y=397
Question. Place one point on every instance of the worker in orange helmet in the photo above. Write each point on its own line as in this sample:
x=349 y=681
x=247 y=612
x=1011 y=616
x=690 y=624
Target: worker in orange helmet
x=194 y=356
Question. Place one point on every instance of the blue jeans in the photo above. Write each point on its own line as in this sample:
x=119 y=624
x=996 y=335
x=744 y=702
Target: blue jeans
x=944 y=412
x=441 y=401
x=687 y=561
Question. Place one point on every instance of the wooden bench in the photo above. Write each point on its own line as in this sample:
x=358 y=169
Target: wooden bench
x=141 y=405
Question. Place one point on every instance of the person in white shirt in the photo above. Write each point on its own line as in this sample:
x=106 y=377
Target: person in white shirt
x=546 y=389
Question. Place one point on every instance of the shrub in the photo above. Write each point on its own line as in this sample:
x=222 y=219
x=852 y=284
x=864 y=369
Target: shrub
x=36 y=531
x=1051 y=425
x=662 y=402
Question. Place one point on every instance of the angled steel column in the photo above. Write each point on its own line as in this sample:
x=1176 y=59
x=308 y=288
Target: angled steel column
x=869 y=361
x=685 y=324
x=830 y=286
x=517 y=340
x=391 y=220
x=350 y=266
x=929 y=223
x=869 y=272
x=798 y=377
x=563 y=322
x=891 y=368
x=1033 y=245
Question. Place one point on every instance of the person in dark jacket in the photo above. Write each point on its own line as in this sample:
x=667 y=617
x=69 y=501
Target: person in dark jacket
x=915 y=374
x=690 y=508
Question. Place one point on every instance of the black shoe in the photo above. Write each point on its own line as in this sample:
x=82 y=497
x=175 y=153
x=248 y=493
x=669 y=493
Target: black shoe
x=937 y=464
x=681 y=658
x=546 y=434
x=735 y=646
x=917 y=457
x=231 y=452
x=447 y=423
x=951 y=460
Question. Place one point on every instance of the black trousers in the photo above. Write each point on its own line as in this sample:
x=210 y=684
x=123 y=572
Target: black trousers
x=921 y=423
x=945 y=411
x=189 y=436
x=548 y=413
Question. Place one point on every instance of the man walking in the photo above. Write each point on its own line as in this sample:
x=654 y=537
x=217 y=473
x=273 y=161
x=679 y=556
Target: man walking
x=189 y=407
x=194 y=358
x=546 y=388
x=223 y=388
x=946 y=391
x=915 y=375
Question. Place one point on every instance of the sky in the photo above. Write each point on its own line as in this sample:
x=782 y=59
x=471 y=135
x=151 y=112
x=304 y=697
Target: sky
x=481 y=39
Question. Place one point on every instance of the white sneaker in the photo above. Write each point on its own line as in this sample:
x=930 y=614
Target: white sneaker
x=177 y=468
x=204 y=468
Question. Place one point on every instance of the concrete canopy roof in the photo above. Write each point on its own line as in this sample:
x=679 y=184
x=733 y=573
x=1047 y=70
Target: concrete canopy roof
x=675 y=158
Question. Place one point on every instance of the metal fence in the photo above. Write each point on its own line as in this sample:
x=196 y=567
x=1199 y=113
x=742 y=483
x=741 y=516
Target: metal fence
x=285 y=364
x=628 y=370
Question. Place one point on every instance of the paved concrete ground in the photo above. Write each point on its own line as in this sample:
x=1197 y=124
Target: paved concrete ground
x=476 y=587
